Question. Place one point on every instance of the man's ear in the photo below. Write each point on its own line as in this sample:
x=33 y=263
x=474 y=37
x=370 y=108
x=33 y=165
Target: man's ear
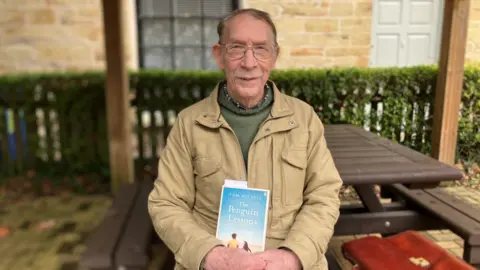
x=277 y=54
x=217 y=54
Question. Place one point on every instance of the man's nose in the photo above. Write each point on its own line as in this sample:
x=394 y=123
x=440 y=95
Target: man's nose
x=249 y=60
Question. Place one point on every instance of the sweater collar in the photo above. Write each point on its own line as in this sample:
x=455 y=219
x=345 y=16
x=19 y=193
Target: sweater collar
x=228 y=102
x=210 y=109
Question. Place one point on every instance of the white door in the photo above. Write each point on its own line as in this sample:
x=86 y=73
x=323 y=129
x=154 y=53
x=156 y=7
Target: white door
x=406 y=32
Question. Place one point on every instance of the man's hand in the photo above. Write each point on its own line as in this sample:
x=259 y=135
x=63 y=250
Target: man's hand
x=220 y=258
x=279 y=259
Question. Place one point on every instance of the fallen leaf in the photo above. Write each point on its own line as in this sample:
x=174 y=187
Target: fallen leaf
x=46 y=224
x=31 y=174
x=476 y=168
x=459 y=166
x=4 y=232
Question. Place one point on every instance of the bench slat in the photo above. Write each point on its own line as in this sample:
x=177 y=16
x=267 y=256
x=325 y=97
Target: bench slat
x=132 y=250
x=102 y=242
x=458 y=204
x=460 y=223
x=364 y=154
x=385 y=223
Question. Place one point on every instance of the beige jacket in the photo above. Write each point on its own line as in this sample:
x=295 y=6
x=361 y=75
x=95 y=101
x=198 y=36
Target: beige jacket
x=289 y=156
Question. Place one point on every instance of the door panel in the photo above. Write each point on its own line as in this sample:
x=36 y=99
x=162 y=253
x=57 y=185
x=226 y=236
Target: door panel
x=406 y=32
x=388 y=44
x=389 y=12
x=417 y=49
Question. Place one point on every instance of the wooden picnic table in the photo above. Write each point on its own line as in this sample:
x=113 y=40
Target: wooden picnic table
x=409 y=178
x=363 y=157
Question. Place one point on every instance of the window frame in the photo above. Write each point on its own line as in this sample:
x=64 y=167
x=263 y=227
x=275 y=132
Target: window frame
x=172 y=18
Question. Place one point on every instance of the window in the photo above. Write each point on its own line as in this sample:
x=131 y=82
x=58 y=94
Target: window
x=178 y=34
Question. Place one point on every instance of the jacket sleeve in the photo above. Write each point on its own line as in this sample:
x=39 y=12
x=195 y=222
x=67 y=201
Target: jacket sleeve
x=313 y=228
x=171 y=201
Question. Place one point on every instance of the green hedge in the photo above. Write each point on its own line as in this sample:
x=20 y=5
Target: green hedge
x=400 y=101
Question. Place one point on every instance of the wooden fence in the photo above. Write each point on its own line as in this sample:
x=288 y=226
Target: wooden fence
x=57 y=125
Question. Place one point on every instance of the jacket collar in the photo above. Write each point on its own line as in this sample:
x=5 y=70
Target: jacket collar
x=211 y=115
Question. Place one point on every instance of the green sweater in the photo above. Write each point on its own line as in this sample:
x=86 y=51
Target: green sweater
x=244 y=122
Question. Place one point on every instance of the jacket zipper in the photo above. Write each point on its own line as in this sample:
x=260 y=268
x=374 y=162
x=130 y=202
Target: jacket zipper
x=270 y=183
x=239 y=149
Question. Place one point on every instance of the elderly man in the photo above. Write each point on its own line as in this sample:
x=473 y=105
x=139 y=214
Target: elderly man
x=247 y=130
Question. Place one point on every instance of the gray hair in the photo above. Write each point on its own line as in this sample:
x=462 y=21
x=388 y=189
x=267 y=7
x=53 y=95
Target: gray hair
x=255 y=13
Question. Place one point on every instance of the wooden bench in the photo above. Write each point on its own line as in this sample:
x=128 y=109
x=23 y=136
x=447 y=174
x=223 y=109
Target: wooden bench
x=458 y=216
x=123 y=239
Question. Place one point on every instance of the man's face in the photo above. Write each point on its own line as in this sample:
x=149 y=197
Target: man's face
x=246 y=74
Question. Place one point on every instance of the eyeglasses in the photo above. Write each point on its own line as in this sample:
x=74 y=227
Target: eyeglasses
x=237 y=51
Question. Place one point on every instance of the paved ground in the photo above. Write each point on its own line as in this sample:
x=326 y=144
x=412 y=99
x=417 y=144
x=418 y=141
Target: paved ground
x=49 y=233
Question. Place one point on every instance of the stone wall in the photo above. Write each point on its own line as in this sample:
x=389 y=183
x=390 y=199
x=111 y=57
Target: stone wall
x=473 y=40
x=329 y=33
x=58 y=35
x=55 y=35
x=320 y=33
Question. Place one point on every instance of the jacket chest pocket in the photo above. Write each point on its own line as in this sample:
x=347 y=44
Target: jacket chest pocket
x=206 y=166
x=208 y=179
x=294 y=164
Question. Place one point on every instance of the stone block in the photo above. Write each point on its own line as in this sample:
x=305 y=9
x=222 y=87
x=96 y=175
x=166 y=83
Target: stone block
x=360 y=39
x=363 y=61
x=75 y=2
x=330 y=39
x=64 y=53
x=344 y=238
x=304 y=9
x=359 y=236
x=457 y=252
x=322 y=25
x=42 y=16
x=22 y=4
x=447 y=244
x=355 y=25
x=92 y=12
x=290 y=25
x=94 y=33
x=474 y=12
x=307 y=51
x=446 y=237
x=100 y=55
x=341 y=9
x=293 y=39
x=80 y=16
x=11 y=17
x=304 y=62
x=273 y=9
x=32 y=34
x=344 y=61
x=17 y=53
x=363 y=9
x=348 y=51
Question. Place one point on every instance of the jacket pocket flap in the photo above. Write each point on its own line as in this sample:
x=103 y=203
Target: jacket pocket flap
x=204 y=166
x=294 y=157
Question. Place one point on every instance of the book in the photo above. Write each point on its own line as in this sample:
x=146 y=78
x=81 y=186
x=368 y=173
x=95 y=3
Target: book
x=242 y=219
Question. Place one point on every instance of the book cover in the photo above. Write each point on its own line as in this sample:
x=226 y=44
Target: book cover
x=242 y=219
